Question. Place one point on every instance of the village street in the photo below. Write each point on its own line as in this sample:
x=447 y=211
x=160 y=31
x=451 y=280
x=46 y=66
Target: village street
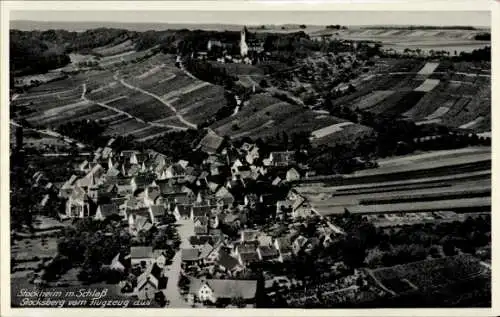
x=185 y=229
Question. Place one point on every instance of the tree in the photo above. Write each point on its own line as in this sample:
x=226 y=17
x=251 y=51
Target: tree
x=238 y=302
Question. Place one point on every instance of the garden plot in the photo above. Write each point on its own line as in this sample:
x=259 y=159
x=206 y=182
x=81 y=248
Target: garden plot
x=428 y=68
x=95 y=116
x=128 y=45
x=334 y=128
x=255 y=104
x=75 y=113
x=190 y=88
x=432 y=121
x=112 y=91
x=370 y=100
x=153 y=134
x=428 y=85
x=472 y=123
x=346 y=135
x=142 y=106
x=470 y=109
x=163 y=88
x=171 y=121
x=277 y=112
x=438 y=113
x=123 y=127
x=430 y=274
x=111 y=116
x=195 y=99
x=150 y=72
x=46 y=103
x=307 y=121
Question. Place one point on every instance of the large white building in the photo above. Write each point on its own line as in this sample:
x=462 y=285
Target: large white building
x=243 y=43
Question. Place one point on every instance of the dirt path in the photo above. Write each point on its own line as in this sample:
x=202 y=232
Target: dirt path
x=167 y=104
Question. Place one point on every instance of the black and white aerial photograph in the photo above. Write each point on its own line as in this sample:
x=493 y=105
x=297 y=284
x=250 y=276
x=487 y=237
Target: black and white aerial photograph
x=234 y=159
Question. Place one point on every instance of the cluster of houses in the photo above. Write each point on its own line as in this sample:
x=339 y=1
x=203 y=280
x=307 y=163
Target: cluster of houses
x=142 y=189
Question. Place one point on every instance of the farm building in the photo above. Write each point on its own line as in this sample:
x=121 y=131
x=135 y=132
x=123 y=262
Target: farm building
x=211 y=143
x=213 y=290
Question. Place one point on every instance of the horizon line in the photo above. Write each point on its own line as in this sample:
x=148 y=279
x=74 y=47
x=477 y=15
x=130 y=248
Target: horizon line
x=250 y=24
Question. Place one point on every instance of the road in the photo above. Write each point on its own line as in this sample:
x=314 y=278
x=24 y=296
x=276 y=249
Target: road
x=166 y=103
x=186 y=230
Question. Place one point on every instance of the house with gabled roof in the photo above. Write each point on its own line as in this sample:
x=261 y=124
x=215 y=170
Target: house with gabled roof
x=141 y=255
x=249 y=235
x=174 y=171
x=298 y=244
x=107 y=152
x=150 y=282
x=140 y=220
x=227 y=263
x=248 y=258
x=214 y=290
x=182 y=211
x=292 y=175
x=223 y=194
x=201 y=211
x=157 y=212
x=200 y=225
x=284 y=247
x=280 y=159
x=67 y=188
x=118 y=263
x=77 y=205
x=106 y=210
x=211 y=143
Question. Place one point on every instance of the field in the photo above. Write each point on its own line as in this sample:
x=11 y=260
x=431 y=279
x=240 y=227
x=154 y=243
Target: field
x=458 y=180
x=138 y=94
x=453 y=94
x=430 y=276
x=111 y=50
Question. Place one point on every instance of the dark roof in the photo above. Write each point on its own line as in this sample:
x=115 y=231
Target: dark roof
x=183 y=199
x=247 y=247
x=184 y=210
x=211 y=142
x=201 y=211
x=203 y=220
x=201 y=240
x=141 y=252
x=283 y=157
x=177 y=169
x=249 y=235
x=143 y=180
x=158 y=211
x=248 y=258
x=227 y=288
x=109 y=209
x=190 y=254
x=123 y=181
x=227 y=261
x=167 y=187
x=266 y=251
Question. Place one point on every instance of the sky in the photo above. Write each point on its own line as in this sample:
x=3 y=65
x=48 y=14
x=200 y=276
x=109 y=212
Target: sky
x=437 y=18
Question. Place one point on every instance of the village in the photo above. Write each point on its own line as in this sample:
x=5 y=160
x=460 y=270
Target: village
x=233 y=214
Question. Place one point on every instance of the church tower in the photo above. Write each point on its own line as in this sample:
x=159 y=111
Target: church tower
x=243 y=43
